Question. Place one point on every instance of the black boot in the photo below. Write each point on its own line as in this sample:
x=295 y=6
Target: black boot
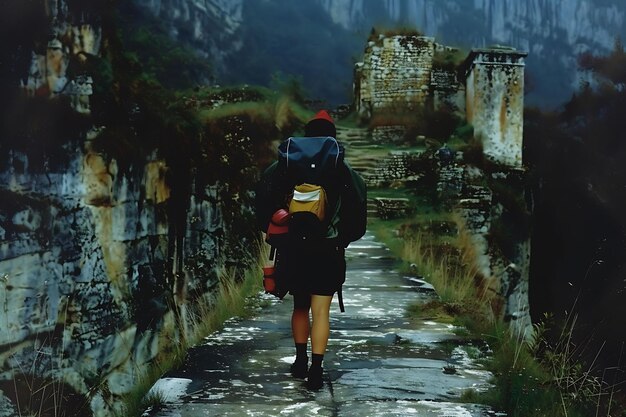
x=300 y=366
x=314 y=381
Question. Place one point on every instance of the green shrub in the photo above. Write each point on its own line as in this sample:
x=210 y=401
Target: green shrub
x=449 y=59
x=393 y=31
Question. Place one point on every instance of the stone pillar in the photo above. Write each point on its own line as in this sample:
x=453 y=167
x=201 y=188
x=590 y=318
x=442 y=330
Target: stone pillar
x=495 y=102
x=495 y=107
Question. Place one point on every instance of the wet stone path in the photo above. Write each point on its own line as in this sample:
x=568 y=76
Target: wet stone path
x=378 y=363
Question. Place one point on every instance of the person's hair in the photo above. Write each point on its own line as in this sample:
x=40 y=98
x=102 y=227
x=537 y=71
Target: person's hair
x=320 y=127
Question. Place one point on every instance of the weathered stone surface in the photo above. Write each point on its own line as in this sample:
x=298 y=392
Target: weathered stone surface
x=389 y=134
x=395 y=70
x=451 y=176
x=98 y=265
x=495 y=103
x=48 y=75
x=399 y=72
x=390 y=208
x=75 y=247
x=505 y=271
x=395 y=168
x=447 y=90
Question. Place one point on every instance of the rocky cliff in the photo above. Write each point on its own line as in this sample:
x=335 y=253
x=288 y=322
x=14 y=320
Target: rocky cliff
x=552 y=32
x=578 y=23
x=104 y=258
x=211 y=27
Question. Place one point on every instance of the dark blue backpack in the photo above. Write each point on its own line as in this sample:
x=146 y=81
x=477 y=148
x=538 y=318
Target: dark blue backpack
x=314 y=161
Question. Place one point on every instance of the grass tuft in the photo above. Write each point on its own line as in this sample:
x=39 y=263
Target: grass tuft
x=449 y=264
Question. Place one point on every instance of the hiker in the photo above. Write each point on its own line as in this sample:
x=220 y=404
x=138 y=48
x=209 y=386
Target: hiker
x=313 y=272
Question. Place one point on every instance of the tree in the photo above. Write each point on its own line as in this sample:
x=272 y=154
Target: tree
x=609 y=69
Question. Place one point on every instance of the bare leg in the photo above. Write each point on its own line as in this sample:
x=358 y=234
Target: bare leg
x=320 y=331
x=300 y=329
x=300 y=326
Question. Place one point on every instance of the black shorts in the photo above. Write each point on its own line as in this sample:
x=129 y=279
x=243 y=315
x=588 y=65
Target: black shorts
x=320 y=272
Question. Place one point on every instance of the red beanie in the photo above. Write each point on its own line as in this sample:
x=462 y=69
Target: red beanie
x=320 y=125
x=323 y=114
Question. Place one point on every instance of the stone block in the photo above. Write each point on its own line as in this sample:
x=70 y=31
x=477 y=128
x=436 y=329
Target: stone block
x=389 y=134
x=390 y=208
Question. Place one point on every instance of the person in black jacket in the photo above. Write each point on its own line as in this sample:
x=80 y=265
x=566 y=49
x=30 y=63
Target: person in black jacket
x=313 y=282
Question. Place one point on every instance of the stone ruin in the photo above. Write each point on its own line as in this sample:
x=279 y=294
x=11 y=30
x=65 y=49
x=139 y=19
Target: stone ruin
x=494 y=80
x=403 y=72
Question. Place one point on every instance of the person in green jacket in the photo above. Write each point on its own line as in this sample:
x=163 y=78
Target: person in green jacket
x=313 y=282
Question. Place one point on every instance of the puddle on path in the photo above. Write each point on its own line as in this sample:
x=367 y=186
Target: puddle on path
x=378 y=362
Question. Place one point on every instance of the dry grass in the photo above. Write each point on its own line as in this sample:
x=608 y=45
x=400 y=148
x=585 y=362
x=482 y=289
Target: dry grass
x=578 y=385
x=210 y=312
x=206 y=316
x=531 y=378
x=538 y=377
x=397 y=115
x=449 y=264
x=38 y=387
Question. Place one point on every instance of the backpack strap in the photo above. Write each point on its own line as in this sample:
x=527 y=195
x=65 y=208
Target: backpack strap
x=340 y=299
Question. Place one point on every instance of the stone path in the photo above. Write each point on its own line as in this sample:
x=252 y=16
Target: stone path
x=379 y=165
x=379 y=363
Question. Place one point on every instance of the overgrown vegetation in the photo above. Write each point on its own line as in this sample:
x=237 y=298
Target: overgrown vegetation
x=447 y=262
x=556 y=373
x=149 y=102
x=576 y=157
x=438 y=124
x=449 y=59
x=539 y=378
x=435 y=246
x=387 y=32
x=216 y=135
x=524 y=383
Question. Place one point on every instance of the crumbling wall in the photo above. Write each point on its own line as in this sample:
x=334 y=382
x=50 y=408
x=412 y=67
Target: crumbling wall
x=499 y=224
x=393 y=169
x=447 y=91
x=497 y=220
x=403 y=70
x=395 y=71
